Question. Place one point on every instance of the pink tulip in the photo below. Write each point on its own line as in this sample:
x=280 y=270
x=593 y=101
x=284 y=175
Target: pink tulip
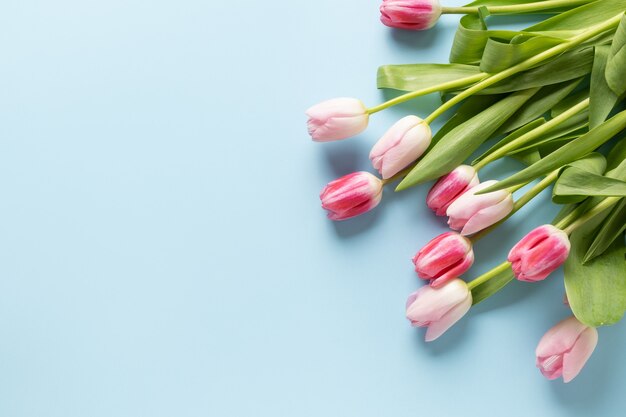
x=351 y=195
x=444 y=258
x=565 y=348
x=336 y=119
x=473 y=212
x=410 y=14
x=539 y=253
x=402 y=144
x=450 y=187
x=438 y=308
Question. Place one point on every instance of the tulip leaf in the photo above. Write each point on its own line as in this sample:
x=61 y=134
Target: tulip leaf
x=464 y=139
x=576 y=184
x=602 y=97
x=616 y=156
x=612 y=228
x=492 y=286
x=539 y=104
x=616 y=61
x=510 y=138
x=413 y=77
x=596 y=290
x=569 y=66
x=568 y=153
x=592 y=164
x=570 y=22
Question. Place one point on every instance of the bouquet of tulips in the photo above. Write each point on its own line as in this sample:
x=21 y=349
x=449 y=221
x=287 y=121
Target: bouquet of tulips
x=551 y=96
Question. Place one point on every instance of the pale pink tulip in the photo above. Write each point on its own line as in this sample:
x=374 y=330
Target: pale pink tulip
x=539 y=253
x=438 y=308
x=471 y=212
x=336 y=119
x=403 y=143
x=450 y=187
x=565 y=348
x=444 y=258
x=351 y=195
x=410 y=14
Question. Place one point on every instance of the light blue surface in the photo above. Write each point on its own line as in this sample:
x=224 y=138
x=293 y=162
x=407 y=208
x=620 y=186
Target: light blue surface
x=162 y=249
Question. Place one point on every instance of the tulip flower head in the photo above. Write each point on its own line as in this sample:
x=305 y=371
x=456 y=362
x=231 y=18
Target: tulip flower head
x=471 y=212
x=402 y=144
x=351 y=195
x=336 y=119
x=565 y=348
x=410 y=14
x=450 y=187
x=444 y=258
x=539 y=253
x=438 y=308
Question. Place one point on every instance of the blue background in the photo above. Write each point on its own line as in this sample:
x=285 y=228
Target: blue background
x=162 y=248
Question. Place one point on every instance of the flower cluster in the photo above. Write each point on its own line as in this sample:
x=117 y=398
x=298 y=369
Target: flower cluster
x=547 y=123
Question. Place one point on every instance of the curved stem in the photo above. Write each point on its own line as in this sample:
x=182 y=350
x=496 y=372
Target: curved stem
x=519 y=8
x=533 y=134
x=488 y=275
x=450 y=85
x=604 y=205
x=525 y=65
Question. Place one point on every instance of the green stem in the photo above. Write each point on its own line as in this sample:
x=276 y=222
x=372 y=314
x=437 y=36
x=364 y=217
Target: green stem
x=488 y=275
x=525 y=65
x=521 y=202
x=519 y=8
x=533 y=134
x=399 y=175
x=604 y=205
x=450 y=85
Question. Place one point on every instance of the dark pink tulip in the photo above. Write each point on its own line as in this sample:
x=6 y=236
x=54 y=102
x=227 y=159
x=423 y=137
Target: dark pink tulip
x=438 y=308
x=565 y=348
x=444 y=258
x=410 y=14
x=450 y=187
x=351 y=195
x=539 y=253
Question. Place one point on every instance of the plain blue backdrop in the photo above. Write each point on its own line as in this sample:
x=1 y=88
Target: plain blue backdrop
x=162 y=248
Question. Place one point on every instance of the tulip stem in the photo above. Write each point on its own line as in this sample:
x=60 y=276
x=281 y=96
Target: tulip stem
x=518 y=8
x=521 y=202
x=399 y=175
x=532 y=135
x=488 y=275
x=526 y=65
x=450 y=85
x=571 y=225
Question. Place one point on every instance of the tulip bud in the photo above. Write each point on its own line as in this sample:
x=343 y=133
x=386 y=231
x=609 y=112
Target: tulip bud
x=450 y=187
x=438 y=308
x=410 y=14
x=351 y=195
x=444 y=258
x=336 y=119
x=539 y=253
x=403 y=143
x=565 y=348
x=473 y=212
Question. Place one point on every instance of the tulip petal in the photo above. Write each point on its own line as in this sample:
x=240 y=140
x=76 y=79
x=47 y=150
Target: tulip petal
x=488 y=216
x=439 y=327
x=560 y=338
x=575 y=359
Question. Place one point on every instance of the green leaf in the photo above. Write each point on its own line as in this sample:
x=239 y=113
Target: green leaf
x=592 y=164
x=539 y=104
x=597 y=290
x=568 y=153
x=580 y=184
x=471 y=38
x=413 y=77
x=617 y=155
x=602 y=98
x=616 y=62
x=570 y=22
x=510 y=138
x=464 y=139
x=569 y=102
x=612 y=228
x=492 y=286
x=569 y=66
